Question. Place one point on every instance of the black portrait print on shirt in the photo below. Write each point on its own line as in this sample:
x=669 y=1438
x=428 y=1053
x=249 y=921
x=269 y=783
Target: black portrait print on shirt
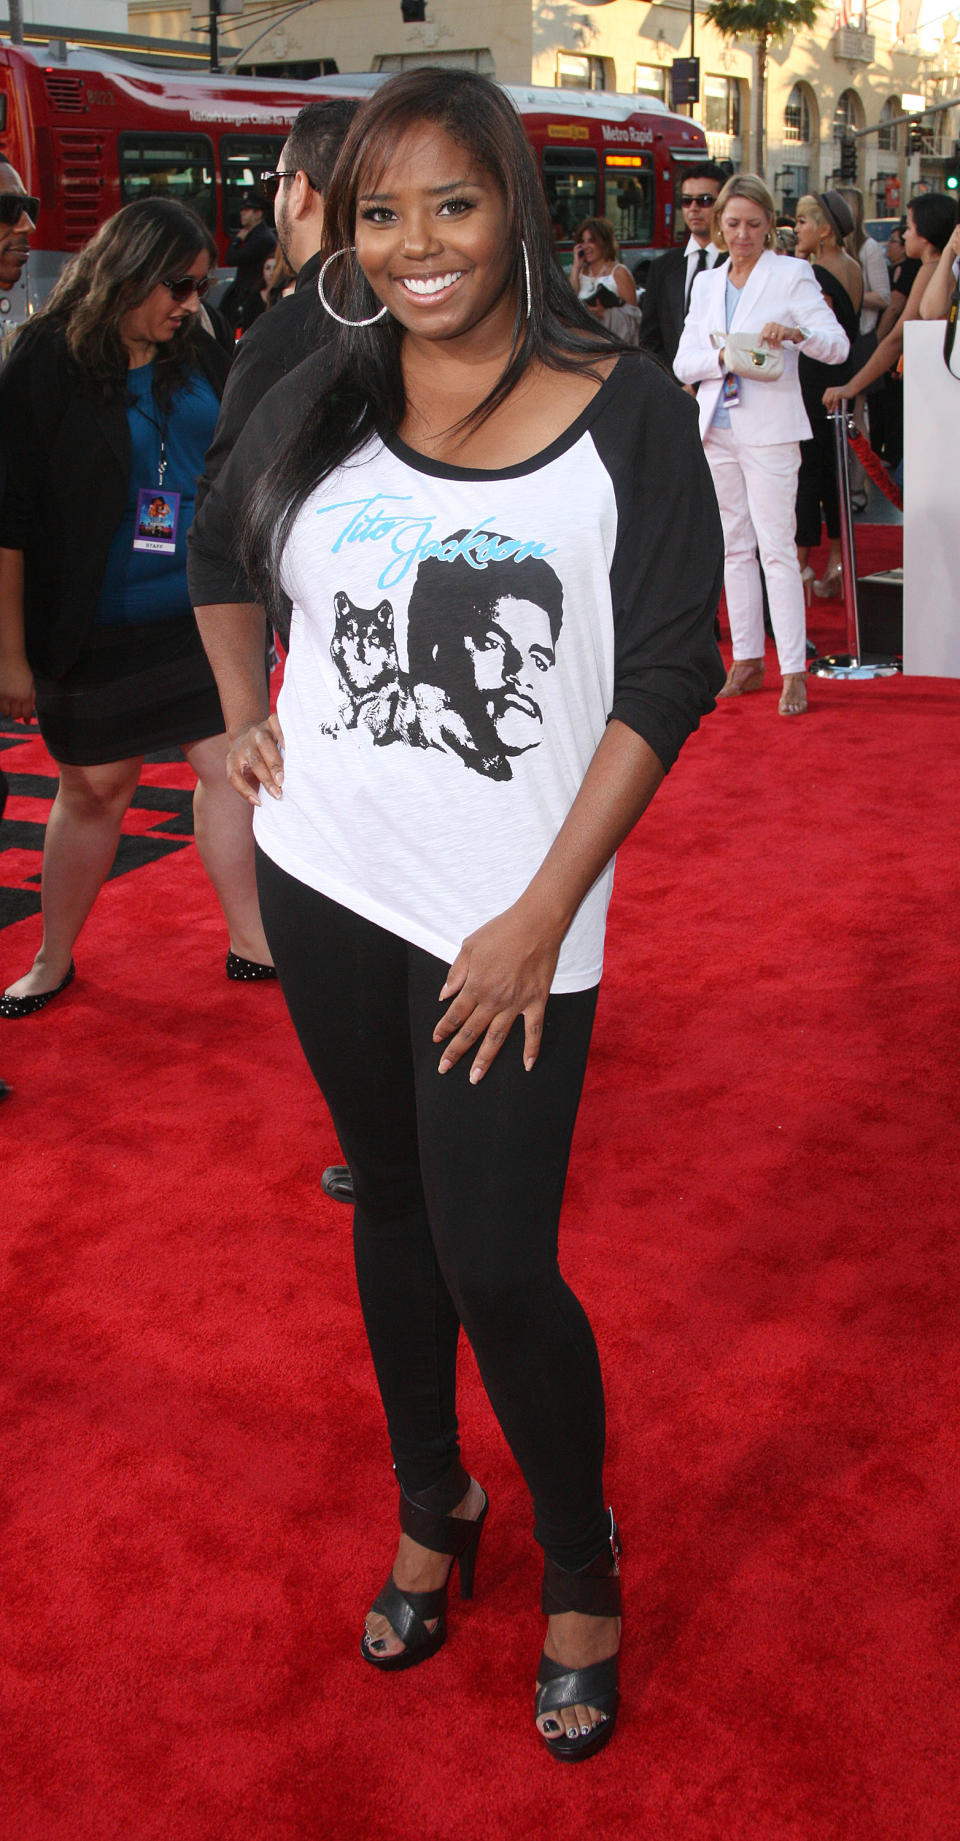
x=479 y=644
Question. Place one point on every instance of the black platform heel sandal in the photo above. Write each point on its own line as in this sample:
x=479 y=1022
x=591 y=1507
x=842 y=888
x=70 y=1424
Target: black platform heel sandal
x=594 y=1591
x=408 y=1613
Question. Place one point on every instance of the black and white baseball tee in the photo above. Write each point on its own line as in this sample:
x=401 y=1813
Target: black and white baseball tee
x=459 y=640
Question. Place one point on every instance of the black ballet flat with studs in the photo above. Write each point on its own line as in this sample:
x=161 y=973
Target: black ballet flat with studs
x=408 y=1613
x=248 y=971
x=28 y=1006
x=595 y=1592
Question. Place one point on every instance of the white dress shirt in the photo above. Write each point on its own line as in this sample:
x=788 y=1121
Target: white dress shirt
x=691 y=253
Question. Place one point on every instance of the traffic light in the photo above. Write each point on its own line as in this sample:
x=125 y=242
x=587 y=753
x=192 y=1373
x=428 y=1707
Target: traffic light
x=915 y=135
x=951 y=177
x=848 y=160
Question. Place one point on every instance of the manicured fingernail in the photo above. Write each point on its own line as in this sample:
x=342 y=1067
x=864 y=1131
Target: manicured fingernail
x=442 y=995
x=529 y=1062
x=444 y=1065
x=475 y=1075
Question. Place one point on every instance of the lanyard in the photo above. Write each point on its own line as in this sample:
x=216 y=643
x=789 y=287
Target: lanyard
x=161 y=428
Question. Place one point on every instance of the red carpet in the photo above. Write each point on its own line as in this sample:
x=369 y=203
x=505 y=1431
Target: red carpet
x=761 y=1218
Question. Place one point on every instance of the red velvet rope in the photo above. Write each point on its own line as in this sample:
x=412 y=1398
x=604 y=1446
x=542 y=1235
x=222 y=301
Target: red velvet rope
x=872 y=464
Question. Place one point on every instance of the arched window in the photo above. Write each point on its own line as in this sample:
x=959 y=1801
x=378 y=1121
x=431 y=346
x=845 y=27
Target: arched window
x=796 y=115
x=888 y=138
x=849 y=114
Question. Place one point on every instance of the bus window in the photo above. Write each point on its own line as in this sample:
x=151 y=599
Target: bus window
x=629 y=196
x=571 y=182
x=176 y=166
x=243 y=157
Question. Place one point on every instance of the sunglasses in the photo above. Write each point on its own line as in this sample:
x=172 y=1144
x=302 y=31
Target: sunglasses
x=14 y=204
x=697 y=198
x=270 y=183
x=188 y=284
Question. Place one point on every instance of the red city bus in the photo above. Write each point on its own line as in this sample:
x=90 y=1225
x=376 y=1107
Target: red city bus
x=92 y=131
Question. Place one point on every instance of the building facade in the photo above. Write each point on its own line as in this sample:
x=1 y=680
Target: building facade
x=852 y=72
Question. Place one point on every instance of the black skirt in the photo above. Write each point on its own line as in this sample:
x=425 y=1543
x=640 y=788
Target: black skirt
x=133 y=690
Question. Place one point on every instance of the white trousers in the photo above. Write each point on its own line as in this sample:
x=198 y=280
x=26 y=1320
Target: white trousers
x=756 y=490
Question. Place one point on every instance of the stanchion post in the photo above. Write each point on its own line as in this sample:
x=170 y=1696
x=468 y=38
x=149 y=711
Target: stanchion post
x=848 y=665
x=848 y=547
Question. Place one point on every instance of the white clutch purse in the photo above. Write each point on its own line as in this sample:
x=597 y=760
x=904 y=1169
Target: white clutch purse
x=746 y=357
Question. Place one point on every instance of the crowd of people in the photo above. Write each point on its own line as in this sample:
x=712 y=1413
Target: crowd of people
x=434 y=465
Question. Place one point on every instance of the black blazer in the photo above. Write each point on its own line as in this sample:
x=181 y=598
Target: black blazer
x=662 y=308
x=276 y=343
x=67 y=454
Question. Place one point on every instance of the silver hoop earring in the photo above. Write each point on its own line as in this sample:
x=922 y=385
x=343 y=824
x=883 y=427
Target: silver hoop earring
x=526 y=276
x=374 y=317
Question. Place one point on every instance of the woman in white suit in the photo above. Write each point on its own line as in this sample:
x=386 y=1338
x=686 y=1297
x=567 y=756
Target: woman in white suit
x=752 y=428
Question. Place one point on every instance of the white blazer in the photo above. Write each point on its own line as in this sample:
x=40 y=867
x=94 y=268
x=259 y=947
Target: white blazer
x=779 y=288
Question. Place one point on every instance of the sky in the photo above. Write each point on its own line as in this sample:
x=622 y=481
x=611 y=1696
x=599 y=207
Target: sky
x=932 y=13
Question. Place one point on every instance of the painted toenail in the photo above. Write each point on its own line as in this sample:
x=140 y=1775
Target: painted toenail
x=585 y=1730
x=572 y=1732
x=551 y=1726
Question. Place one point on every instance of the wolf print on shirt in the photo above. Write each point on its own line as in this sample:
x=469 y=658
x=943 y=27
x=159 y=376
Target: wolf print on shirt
x=479 y=643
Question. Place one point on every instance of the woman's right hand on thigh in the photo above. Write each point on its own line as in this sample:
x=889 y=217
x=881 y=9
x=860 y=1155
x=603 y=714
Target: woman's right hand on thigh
x=16 y=689
x=255 y=759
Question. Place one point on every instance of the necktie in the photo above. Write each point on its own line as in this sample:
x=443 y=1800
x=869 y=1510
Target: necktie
x=698 y=268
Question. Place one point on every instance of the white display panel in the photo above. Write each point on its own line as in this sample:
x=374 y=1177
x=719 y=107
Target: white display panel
x=931 y=504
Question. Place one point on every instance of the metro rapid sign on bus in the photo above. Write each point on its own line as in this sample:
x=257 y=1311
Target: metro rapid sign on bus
x=93 y=131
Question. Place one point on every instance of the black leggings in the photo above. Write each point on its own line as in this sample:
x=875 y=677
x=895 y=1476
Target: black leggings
x=458 y=1193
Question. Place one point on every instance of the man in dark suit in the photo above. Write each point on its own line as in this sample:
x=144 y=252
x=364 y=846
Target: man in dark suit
x=280 y=339
x=247 y=253
x=290 y=331
x=667 y=295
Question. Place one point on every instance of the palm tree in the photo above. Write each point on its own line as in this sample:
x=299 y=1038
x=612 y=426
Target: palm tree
x=768 y=22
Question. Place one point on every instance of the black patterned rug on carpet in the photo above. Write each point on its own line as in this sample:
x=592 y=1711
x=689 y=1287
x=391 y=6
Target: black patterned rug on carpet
x=159 y=822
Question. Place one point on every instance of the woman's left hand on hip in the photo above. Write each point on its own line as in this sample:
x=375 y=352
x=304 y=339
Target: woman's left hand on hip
x=502 y=971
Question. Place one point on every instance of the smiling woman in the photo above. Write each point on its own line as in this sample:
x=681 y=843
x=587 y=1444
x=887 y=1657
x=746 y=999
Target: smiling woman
x=496 y=651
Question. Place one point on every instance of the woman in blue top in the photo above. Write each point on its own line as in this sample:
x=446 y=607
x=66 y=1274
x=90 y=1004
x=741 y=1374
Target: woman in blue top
x=107 y=407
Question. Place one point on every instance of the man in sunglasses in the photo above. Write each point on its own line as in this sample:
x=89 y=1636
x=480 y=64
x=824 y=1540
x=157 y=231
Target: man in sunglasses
x=666 y=299
x=276 y=343
x=292 y=329
x=18 y=218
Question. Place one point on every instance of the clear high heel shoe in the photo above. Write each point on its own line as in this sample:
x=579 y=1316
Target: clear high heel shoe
x=806 y=577
x=830 y=584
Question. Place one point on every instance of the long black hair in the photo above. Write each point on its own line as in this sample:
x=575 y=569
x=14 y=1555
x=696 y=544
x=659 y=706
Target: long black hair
x=365 y=389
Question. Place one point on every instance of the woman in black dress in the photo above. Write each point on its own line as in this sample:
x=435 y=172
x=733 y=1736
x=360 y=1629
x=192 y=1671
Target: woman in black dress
x=107 y=406
x=822 y=223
